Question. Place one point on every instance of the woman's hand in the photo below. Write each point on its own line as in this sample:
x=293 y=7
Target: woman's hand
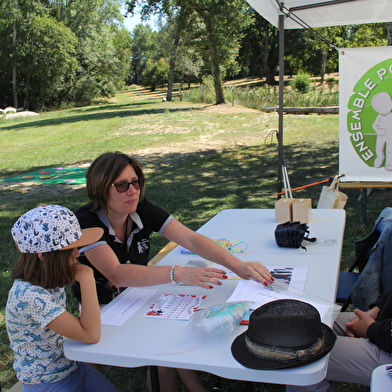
x=199 y=276
x=204 y=277
x=257 y=271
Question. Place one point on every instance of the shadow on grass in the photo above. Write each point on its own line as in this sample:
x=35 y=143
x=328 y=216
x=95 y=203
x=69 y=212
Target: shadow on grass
x=237 y=177
x=99 y=113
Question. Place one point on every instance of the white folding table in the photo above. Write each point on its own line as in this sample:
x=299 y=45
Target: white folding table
x=142 y=341
x=381 y=381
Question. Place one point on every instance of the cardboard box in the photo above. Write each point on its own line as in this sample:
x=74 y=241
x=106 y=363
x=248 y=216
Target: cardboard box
x=302 y=210
x=283 y=210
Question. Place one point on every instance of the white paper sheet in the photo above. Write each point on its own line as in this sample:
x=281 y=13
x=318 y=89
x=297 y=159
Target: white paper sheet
x=294 y=275
x=247 y=291
x=125 y=305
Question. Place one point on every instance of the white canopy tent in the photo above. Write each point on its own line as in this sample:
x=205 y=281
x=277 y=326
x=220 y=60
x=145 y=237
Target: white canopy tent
x=321 y=13
x=294 y=14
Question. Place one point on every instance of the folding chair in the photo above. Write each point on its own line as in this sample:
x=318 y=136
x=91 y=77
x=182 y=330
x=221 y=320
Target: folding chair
x=347 y=279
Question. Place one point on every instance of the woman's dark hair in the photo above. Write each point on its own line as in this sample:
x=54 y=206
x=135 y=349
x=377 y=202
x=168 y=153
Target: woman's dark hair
x=54 y=270
x=103 y=172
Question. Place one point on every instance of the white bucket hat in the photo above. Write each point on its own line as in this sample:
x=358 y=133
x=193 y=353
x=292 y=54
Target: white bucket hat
x=51 y=227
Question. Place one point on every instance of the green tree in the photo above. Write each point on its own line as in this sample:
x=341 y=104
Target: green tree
x=7 y=55
x=318 y=54
x=223 y=22
x=219 y=24
x=310 y=51
x=177 y=44
x=144 y=47
x=258 y=54
x=370 y=34
x=169 y=39
x=189 y=66
x=155 y=73
x=46 y=52
x=103 y=49
x=60 y=51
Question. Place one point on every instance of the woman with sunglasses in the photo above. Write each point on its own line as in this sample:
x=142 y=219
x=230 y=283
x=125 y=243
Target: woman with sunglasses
x=115 y=186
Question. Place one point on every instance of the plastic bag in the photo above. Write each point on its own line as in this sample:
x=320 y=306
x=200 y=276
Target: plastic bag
x=331 y=197
x=219 y=319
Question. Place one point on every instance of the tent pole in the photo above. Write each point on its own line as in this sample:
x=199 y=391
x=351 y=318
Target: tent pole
x=280 y=108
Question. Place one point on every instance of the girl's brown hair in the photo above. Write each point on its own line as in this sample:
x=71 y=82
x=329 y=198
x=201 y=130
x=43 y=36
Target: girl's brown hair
x=103 y=172
x=54 y=270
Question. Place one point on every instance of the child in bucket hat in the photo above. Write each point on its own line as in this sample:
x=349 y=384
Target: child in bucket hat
x=36 y=317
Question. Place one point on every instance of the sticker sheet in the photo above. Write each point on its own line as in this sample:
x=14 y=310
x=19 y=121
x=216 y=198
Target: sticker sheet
x=175 y=306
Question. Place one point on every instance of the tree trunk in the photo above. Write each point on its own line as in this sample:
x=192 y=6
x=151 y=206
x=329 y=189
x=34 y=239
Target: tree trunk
x=169 y=95
x=324 y=64
x=269 y=73
x=216 y=75
x=14 y=70
x=173 y=59
x=389 y=32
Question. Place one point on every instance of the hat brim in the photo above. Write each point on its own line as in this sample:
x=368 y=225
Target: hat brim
x=88 y=237
x=244 y=357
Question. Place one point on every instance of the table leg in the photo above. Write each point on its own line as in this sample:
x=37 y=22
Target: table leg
x=154 y=379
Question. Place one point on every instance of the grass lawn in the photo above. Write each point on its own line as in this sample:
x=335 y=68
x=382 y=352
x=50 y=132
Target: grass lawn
x=199 y=159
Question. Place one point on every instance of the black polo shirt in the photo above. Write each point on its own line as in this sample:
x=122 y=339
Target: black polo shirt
x=148 y=218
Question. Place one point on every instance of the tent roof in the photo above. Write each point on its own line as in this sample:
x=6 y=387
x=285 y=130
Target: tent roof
x=321 y=13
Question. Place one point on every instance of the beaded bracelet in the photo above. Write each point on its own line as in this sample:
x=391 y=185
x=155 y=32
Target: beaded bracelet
x=172 y=274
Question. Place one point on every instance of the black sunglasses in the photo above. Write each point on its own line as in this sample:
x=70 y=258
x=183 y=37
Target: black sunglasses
x=123 y=186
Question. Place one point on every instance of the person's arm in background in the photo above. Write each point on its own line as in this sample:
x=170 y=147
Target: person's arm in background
x=370 y=325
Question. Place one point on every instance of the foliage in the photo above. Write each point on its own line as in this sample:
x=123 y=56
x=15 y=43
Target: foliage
x=301 y=83
x=207 y=90
x=177 y=39
x=144 y=47
x=266 y=96
x=250 y=48
x=317 y=48
x=222 y=32
x=47 y=61
x=215 y=29
x=57 y=52
x=189 y=66
x=155 y=73
x=374 y=34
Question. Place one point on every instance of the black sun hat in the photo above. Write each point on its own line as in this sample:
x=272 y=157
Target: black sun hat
x=283 y=334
